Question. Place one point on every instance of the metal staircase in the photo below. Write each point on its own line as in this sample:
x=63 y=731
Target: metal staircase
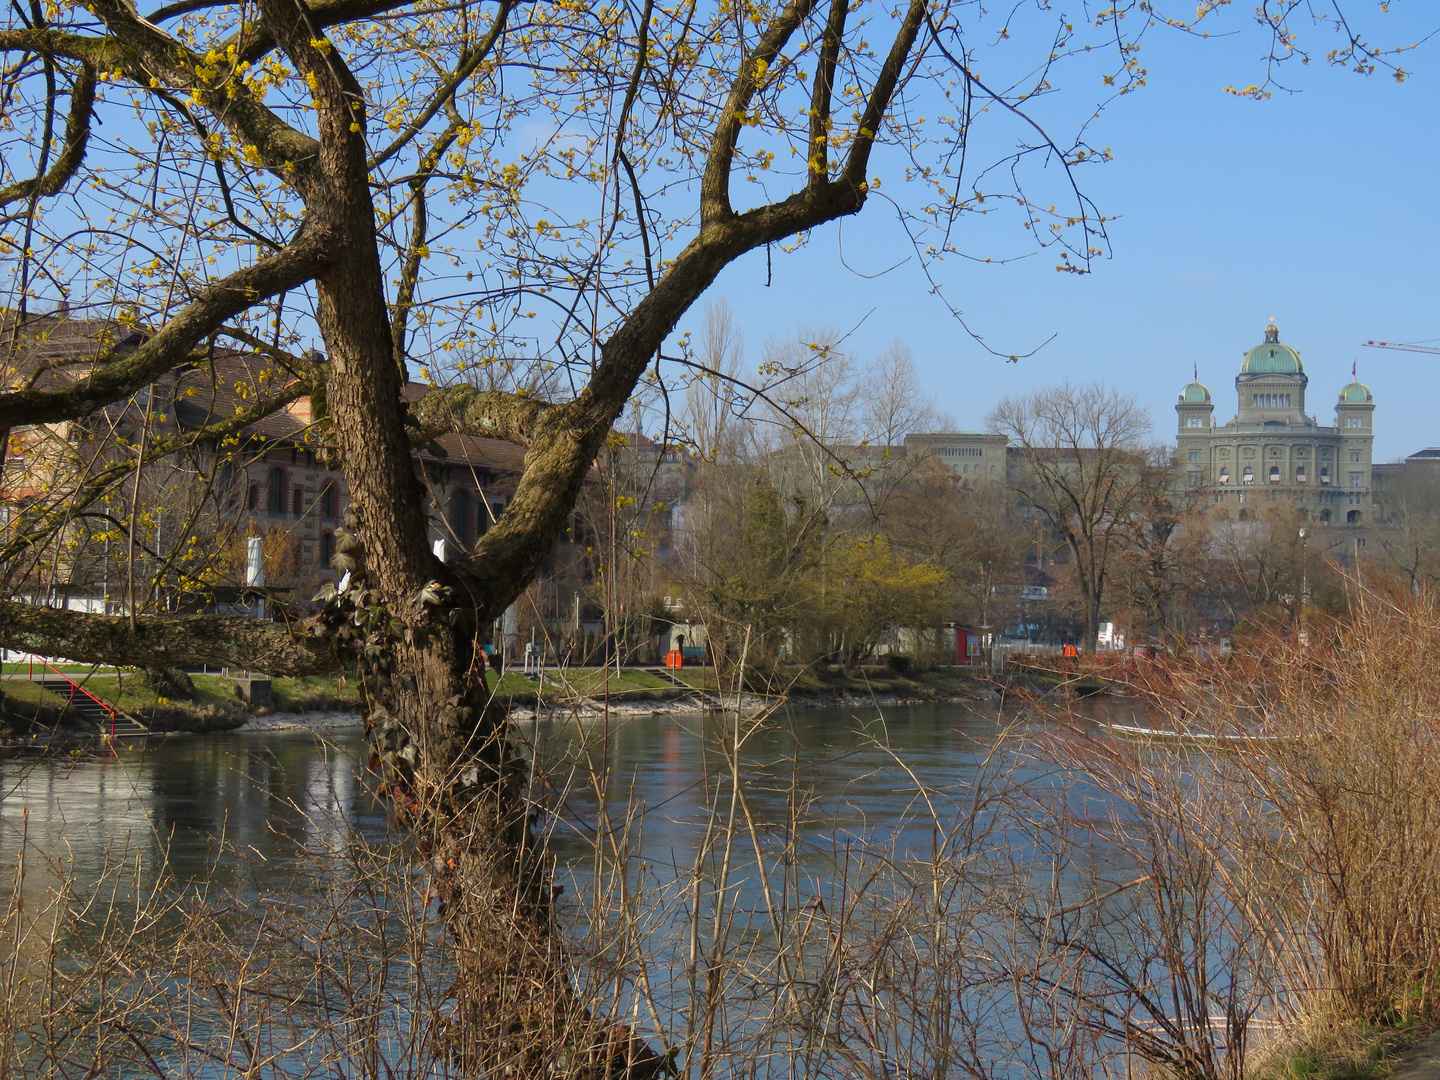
x=108 y=720
x=707 y=699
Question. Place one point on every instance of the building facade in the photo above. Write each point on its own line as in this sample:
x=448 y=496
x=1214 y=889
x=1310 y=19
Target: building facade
x=973 y=456
x=1273 y=450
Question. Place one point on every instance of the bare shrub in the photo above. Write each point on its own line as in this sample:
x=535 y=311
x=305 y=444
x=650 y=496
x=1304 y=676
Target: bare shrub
x=1268 y=868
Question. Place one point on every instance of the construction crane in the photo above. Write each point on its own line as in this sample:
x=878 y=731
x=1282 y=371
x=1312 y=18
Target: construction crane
x=1406 y=348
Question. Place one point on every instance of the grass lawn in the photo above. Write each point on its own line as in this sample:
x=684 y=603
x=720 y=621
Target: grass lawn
x=129 y=692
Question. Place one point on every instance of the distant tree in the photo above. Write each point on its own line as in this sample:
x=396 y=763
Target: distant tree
x=965 y=530
x=1258 y=570
x=1407 y=544
x=1082 y=469
x=1157 y=569
x=867 y=588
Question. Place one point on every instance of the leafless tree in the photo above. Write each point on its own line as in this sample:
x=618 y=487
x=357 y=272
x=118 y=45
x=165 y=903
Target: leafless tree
x=1082 y=469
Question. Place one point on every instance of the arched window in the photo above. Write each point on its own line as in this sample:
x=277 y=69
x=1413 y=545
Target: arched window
x=1248 y=476
x=276 y=503
x=1300 y=476
x=327 y=549
x=1274 y=474
x=1224 y=474
x=460 y=516
x=297 y=502
x=1324 y=474
x=328 y=503
x=252 y=501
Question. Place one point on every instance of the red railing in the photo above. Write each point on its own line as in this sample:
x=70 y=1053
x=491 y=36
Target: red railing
x=75 y=688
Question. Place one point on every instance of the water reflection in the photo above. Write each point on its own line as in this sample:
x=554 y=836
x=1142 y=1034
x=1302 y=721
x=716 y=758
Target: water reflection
x=254 y=815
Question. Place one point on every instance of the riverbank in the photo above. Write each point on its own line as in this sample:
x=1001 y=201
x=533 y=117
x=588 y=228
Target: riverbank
x=36 y=716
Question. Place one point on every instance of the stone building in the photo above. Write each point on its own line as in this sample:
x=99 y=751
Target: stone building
x=1273 y=450
x=973 y=456
x=188 y=521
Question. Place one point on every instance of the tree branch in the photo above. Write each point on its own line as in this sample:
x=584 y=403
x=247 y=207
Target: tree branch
x=163 y=640
x=715 y=187
x=489 y=414
x=171 y=345
x=77 y=137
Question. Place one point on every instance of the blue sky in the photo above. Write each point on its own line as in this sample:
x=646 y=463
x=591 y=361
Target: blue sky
x=1317 y=208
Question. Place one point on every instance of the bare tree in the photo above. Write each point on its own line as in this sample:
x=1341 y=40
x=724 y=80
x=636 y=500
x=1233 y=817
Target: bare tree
x=1159 y=571
x=1082 y=468
x=1408 y=544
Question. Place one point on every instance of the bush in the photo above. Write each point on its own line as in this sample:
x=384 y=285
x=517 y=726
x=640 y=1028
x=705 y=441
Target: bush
x=899 y=663
x=170 y=683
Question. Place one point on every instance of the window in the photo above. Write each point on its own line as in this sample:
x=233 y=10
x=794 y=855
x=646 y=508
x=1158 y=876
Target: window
x=1248 y=476
x=1274 y=474
x=1354 y=421
x=226 y=485
x=252 y=501
x=460 y=516
x=1300 y=476
x=1324 y=517
x=1355 y=457
x=1194 y=456
x=1224 y=474
x=1194 y=479
x=276 y=502
x=328 y=503
x=1352 y=517
x=1324 y=474
x=1194 y=421
x=327 y=549
x=1354 y=479
x=297 y=502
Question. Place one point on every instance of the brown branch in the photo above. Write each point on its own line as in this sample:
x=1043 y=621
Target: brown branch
x=77 y=137
x=163 y=640
x=715 y=187
x=446 y=93
x=489 y=414
x=172 y=343
x=822 y=94
x=882 y=93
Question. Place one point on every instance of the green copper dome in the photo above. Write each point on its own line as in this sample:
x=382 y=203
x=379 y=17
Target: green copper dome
x=1196 y=394
x=1272 y=358
x=1357 y=393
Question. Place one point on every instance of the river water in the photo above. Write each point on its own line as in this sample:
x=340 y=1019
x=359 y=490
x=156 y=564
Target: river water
x=249 y=816
x=187 y=804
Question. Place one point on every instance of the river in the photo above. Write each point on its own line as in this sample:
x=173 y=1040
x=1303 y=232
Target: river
x=827 y=801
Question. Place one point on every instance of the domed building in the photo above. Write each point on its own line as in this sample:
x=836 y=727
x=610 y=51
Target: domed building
x=1273 y=450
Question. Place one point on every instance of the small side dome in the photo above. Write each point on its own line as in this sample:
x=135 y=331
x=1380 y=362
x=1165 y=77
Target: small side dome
x=1195 y=394
x=1357 y=393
